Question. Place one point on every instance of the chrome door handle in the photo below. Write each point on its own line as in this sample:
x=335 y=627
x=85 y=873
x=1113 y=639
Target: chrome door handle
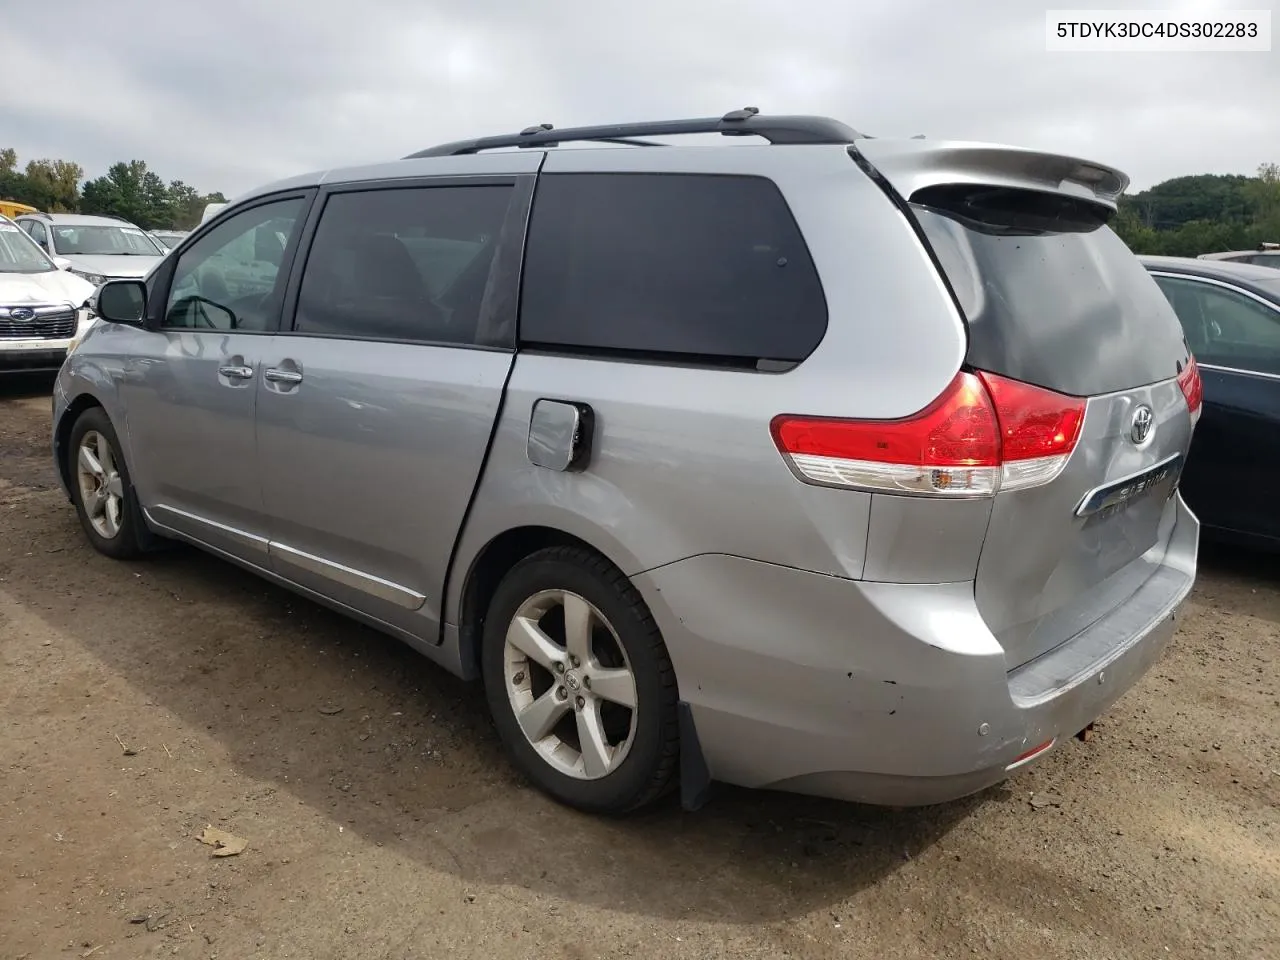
x=235 y=372
x=276 y=375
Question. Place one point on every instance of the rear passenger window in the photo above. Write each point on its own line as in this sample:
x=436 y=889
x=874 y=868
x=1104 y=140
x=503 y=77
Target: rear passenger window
x=705 y=268
x=402 y=264
x=1224 y=327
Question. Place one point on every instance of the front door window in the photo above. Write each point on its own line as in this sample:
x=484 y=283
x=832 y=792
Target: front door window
x=230 y=279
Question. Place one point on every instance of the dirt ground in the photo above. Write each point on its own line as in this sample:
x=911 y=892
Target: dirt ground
x=140 y=703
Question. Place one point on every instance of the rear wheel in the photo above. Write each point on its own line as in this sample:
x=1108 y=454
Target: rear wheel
x=579 y=682
x=101 y=488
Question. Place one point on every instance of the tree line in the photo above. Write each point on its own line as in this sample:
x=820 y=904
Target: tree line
x=1188 y=216
x=126 y=190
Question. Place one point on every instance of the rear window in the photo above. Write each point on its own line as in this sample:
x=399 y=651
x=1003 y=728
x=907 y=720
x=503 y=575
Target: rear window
x=690 y=267
x=1051 y=295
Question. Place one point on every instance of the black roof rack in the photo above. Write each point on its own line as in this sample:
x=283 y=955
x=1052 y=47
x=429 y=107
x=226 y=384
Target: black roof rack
x=737 y=123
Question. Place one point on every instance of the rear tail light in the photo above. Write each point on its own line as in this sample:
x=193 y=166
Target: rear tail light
x=1192 y=388
x=983 y=434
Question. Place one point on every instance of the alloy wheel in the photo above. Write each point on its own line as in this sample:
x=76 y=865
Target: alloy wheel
x=570 y=685
x=101 y=489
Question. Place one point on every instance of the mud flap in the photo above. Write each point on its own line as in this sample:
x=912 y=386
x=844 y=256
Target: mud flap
x=695 y=778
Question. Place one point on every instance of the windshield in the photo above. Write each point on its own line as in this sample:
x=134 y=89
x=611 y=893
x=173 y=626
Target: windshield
x=19 y=254
x=103 y=240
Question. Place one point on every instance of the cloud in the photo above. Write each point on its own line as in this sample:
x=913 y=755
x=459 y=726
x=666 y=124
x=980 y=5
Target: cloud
x=229 y=95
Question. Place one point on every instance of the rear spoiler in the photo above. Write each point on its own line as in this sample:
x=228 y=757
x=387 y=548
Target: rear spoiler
x=913 y=165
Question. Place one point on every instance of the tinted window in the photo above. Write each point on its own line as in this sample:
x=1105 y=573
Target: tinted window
x=230 y=279
x=701 y=266
x=1051 y=295
x=1224 y=327
x=35 y=230
x=402 y=264
x=1265 y=259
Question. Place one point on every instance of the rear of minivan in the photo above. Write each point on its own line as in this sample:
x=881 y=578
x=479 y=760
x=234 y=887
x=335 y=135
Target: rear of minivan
x=885 y=435
x=1049 y=462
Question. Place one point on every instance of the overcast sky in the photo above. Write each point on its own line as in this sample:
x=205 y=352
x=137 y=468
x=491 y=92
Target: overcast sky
x=229 y=94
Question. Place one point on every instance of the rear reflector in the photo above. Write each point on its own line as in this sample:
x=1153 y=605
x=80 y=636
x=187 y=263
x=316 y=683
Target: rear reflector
x=984 y=433
x=1031 y=754
x=1192 y=388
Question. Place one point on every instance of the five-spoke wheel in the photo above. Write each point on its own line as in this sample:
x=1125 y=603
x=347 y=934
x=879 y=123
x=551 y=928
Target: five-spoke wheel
x=579 y=681
x=569 y=683
x=101 y=488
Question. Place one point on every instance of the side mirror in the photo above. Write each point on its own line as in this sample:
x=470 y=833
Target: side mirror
x=62 y=263
x=121 y=301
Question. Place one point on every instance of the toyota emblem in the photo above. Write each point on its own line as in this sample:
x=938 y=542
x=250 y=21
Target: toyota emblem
x=1140 y=428
x=22 y=314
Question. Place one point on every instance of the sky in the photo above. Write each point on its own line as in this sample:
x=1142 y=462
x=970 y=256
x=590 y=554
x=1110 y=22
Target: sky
x=232 y=94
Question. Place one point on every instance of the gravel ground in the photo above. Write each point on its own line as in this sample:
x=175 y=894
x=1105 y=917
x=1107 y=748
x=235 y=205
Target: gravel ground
x=143 y=702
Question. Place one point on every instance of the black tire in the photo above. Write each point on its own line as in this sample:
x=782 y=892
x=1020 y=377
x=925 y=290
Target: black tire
x=132 y=539
x=650 y=766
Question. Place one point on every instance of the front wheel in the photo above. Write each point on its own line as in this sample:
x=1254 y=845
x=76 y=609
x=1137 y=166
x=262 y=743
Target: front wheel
x=101 y=488
x=579 y=682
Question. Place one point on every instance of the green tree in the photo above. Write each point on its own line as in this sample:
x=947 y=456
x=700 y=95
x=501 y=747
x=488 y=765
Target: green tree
x=13 y=185
x=1188 y=216
x=131 y=191
x=54 y=185
x=186 y=205
x=1168 y=205
x=1264 y=195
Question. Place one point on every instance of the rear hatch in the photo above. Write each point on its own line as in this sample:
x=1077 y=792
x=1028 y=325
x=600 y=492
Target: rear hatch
x=1053 y=298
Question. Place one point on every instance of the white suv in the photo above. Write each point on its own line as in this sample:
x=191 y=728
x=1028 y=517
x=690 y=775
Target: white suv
x=41 y=305
x=99 y=248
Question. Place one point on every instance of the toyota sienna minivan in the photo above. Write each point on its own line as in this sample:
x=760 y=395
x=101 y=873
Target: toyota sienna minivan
x=830 y=464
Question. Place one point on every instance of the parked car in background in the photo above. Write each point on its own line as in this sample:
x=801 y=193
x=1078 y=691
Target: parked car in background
x=1231 y=315
x=12 y=208
x=1267 y=255
x=99 y=248
x=41 y=304
x=211 y=210
x=748 y=493
x=169 y=238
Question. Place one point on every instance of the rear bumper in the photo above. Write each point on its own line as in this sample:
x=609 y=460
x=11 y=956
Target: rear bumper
x=889 y=693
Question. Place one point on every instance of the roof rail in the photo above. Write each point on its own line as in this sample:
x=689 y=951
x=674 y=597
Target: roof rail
x=737 y=123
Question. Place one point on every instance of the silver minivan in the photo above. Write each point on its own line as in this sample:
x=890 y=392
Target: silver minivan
x=832 y=464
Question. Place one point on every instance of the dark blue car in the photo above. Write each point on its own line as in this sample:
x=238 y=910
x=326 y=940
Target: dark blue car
x=1231 y=315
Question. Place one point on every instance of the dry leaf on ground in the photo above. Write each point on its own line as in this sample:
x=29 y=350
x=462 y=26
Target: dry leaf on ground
x=224 y=844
